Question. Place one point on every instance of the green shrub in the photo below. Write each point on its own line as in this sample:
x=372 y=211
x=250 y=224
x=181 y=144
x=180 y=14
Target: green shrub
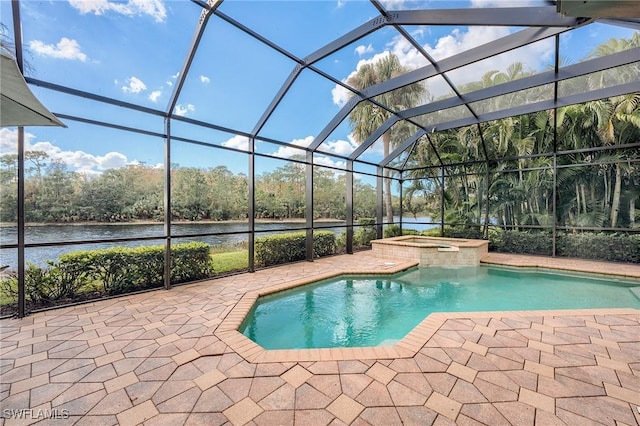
x=525 y=242
x=284 y=248
x=341 y=242
x=433 y=232
x=586 y=245
x=190 y=262
x=119 y=270
x=495 y=239
x=47 y=284
x=391 y=231
x=600 y=246
x=470 y=232
x=324 y=243
x=364 y=233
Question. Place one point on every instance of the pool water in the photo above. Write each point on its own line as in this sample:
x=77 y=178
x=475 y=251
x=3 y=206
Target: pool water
x=357 y=311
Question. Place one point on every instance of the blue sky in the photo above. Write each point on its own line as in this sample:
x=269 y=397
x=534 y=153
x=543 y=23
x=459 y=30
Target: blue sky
x=133 y=51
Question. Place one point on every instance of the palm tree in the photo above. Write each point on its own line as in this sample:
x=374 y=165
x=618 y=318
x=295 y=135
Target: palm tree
x=366 y=117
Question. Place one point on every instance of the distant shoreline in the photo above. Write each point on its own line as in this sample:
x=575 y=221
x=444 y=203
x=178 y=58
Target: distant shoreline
x=152 y=222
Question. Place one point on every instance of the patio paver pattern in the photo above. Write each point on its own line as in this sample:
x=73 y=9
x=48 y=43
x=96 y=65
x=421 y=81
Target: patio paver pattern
x=156 y=358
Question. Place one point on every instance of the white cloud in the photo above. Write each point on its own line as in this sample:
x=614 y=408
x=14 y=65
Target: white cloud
x=173 y=77
x=393 y=4
x=340 y=3
x=237 y=142
x=341 y=147
x=183 y=110
x=362 y=49
x=340 y=95
x=64 y=49
x=322 y=160
x=458 y=41
x=9 y=140
x=534 y=57
x=204 y=79
x=134 y=85
x=153 y=96
x=78 y=161
x=319 y=159
x=153 y=8
x=289 y=151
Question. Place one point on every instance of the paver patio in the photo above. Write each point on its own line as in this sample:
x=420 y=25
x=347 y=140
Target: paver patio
x=165 y=357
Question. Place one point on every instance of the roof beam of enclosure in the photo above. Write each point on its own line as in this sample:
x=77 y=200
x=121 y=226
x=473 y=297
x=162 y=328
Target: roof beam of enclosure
x=487 y=50
x=323 y=52
x=92 y=96
x=593 y=95
x=409 y=142
x=541 y=155
x=300 y=64
x=476 y=54
x=633 y=24
x=257 y=36
x=374 y=137
x=433 y=62
x=571 y=71
x=403 y=166
x=277 y=99
x=207 y=10
x=346 y=39
x=430 y=59
x=544 y=16
x=580 y=69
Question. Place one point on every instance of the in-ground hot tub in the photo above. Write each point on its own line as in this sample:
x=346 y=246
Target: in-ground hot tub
x=432 y=251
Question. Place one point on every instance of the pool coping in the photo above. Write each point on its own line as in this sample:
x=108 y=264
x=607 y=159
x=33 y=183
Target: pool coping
x=406 y=347
x=607 y=269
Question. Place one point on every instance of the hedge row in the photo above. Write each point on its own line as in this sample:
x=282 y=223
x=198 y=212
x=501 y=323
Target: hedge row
x=524 y=242
x=124 y=269
x=600 y=246
x=113 y=271
x=615 y=247
x=283 y=248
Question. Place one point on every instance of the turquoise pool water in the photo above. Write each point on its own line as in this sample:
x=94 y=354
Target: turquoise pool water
x=369 y=311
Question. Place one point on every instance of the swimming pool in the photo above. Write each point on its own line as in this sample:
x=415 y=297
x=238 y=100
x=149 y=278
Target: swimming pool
x=354 y=311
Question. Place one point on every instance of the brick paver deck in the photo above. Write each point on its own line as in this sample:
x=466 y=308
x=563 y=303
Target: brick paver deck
x=169 y=357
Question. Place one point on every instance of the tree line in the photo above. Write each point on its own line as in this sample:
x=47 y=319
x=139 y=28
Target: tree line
x=53 y=193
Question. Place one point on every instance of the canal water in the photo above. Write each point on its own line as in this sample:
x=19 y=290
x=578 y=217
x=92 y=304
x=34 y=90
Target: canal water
x=92 y=232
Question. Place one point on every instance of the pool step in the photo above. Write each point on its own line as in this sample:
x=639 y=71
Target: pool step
x=635 y=291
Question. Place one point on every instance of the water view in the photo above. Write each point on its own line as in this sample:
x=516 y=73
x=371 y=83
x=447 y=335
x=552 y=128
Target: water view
x=62 y=233
x=90 y=232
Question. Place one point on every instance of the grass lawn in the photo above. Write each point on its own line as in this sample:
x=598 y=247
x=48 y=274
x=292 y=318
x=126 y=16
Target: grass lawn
x=230 y=261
